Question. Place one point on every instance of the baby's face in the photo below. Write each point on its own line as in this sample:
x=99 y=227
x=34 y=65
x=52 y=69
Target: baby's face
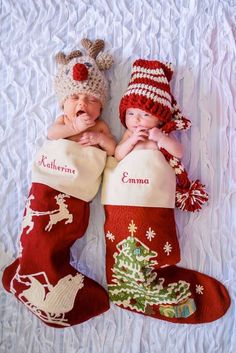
x=81 y=103
x=136 y=117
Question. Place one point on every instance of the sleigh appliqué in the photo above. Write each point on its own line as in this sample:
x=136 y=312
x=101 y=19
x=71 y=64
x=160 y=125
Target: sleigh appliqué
x=50 y=303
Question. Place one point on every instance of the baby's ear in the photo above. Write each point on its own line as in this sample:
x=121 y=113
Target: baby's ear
x=104 y=61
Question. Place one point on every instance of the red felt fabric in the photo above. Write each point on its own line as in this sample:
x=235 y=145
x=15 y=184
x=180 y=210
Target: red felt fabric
x=45 y=260
x=133 y=278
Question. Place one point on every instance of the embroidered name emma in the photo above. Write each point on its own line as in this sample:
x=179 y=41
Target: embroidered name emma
x=125 y=179
x=44 y=162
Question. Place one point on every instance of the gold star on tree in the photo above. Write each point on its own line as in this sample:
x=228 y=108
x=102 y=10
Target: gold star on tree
x=132 y=228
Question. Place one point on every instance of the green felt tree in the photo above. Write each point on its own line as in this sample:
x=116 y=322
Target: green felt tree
x=135 y=283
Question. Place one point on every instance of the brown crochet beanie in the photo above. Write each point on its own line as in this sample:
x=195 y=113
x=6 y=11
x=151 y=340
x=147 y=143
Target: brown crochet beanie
x=80 y=73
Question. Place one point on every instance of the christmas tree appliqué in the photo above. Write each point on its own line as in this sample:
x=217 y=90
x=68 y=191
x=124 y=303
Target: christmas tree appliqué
x=136 y=286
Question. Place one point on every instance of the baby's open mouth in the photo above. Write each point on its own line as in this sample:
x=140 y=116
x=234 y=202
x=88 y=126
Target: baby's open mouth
x=79 y=112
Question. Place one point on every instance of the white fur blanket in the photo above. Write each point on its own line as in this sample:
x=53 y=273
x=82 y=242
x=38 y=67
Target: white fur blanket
x=198 y=37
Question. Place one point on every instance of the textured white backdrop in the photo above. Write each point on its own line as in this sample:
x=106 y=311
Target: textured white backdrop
x=198 y=37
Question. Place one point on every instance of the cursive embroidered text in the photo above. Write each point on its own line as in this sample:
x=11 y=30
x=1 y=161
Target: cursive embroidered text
x=53 y=164
x=126 y=179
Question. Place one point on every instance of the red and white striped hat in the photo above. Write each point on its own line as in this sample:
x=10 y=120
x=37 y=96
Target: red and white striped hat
x=149 y=90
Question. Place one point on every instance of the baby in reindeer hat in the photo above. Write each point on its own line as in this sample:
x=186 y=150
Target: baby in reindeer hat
x=82 y=90
x=66 y=176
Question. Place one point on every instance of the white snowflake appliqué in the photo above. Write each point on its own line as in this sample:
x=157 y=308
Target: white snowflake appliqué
x=110 y=236
x=150 y=234
x=167 y=248
x=199 y=289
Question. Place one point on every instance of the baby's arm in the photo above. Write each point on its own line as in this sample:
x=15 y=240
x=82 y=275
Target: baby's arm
x=60 y=130
x=107 y=141
x=103 y=138
x=168 y=143
x=63 y=127
x=129 y=140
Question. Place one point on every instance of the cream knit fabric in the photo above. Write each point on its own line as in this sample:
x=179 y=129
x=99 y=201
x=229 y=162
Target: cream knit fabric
x=95 y=83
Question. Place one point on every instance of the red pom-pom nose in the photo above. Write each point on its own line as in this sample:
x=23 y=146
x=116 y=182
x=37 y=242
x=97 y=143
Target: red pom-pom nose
x=80 y=72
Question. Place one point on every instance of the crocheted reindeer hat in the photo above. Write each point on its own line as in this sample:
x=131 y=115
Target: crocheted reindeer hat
x=149 y=90
x=80 y=73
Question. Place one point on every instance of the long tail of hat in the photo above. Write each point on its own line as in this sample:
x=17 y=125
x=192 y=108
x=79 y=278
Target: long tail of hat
x=190 y=195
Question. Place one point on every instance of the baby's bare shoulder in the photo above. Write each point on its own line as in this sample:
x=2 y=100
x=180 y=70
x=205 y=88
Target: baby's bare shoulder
x=102 y=123
x=126 y=135
x=60 y=120
x=101 y=126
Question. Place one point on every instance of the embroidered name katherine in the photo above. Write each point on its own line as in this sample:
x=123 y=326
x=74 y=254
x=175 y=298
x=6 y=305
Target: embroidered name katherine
x=53 y=164
x=126 y=179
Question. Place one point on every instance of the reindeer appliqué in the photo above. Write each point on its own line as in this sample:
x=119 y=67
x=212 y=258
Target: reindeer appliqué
x=61 y=213
x=55 y=216
x=50 y=303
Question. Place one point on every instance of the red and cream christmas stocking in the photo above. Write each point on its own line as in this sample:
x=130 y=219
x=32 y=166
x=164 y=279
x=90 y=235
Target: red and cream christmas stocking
x=142 y=247
x=141 y=276
x=65 y=178
x=42 y=277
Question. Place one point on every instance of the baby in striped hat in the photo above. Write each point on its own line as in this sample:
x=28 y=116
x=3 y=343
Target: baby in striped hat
x=145 y=107
x=150 y=113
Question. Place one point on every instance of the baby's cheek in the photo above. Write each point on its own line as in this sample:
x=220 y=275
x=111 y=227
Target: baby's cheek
x=91 y=113
x=144 y=123
x=148 y=126
x=71 y=117
x=68 y=113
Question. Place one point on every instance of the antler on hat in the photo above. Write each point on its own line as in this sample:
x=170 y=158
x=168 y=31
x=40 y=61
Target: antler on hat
x=93 y=47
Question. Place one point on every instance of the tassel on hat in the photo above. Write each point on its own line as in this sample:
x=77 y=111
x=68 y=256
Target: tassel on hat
x=150 y=91
x=190 y=195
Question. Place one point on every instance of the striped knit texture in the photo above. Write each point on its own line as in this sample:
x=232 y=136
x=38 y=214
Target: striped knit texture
x=149 y=90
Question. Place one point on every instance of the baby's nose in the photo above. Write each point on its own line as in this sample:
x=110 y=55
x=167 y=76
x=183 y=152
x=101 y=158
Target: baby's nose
x=81 y=102
x=137 y=117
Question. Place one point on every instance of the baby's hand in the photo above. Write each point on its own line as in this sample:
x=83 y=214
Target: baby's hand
x=90 y=138
x=140 y=134
x=80 y=123
x=155 y=134
x=83 y=122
